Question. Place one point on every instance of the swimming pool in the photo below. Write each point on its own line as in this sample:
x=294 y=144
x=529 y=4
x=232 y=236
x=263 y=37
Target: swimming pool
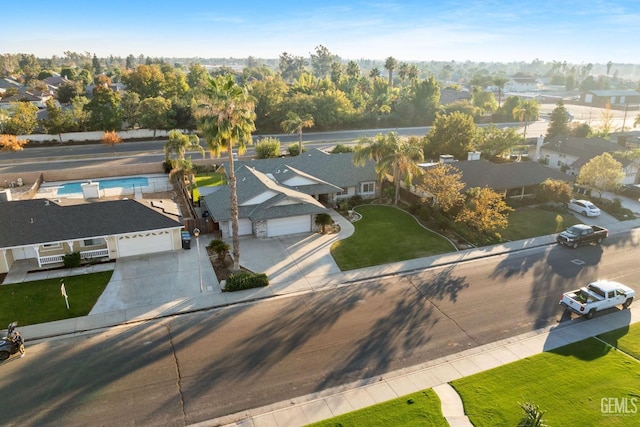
x=123 y=183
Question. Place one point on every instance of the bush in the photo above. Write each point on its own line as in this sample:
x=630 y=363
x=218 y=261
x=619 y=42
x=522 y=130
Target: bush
x=71 y=260
x=241 y=281
x=294 y=149
x=267 y=148
x=342 y=149
x=167 y=166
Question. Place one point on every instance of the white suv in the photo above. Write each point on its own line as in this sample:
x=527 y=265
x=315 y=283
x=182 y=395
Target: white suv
x=583 y=207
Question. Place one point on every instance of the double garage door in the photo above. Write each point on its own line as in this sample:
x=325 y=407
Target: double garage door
x=144 y=243
x=290 y=225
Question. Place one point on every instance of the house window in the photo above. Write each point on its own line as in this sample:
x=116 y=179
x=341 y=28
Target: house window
x=92 y=242
x=367 y=187
x=344 y=192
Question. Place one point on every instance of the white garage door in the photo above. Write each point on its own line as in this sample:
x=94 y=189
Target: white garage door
x=290 y=225
x=244 y=227
x=144 y=243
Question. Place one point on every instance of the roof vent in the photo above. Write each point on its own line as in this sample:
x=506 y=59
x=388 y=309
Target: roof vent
x=46 y=203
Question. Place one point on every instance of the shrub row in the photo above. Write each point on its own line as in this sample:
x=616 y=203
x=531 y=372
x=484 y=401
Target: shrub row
x=241 y=281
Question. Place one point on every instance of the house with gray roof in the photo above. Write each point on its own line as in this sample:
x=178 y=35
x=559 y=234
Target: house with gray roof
x=282 y=196
x=43 y=230
x=569 y=153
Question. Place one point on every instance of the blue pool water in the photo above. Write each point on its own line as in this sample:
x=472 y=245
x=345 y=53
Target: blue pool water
x=74 y=187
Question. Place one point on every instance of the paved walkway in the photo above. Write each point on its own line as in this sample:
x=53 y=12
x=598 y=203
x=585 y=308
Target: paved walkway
x=166 y=284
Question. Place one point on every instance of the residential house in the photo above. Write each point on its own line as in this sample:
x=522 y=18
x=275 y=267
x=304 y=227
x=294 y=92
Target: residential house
x=282 y=196
x=516 y=179
x=44 y=230
x=449 y=95
x=9 y=84
x=523 y=84
x=569 y=154
x=39 y=99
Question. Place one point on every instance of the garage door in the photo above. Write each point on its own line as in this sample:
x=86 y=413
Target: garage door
x=289 y=225
x=244 y=227
x=144 y=243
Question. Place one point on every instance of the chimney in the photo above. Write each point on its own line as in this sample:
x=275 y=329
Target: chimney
x=473 y=155
x=539 y=143
x=446 y=158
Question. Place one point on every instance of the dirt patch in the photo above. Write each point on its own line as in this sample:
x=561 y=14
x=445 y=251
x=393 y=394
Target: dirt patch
x=223 y=267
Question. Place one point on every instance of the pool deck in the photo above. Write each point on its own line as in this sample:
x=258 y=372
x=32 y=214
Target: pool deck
x=155 y=183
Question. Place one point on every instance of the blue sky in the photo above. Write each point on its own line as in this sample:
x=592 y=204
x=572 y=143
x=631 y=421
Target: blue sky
x=492 y=30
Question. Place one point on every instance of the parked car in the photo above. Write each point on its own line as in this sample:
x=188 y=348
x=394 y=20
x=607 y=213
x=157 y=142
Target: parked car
x=583 y=207
x=581 y=234
x=596 y=296
x=631 y=191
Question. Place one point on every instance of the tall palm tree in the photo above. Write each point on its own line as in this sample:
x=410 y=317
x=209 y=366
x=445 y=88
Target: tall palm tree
x=294 y=124
x=372 y=150
x=226 y=113
x=177 y=145
x=526 y=110
x=500 y=81
x=390 y=64
x=402 y=162
x=393 y=156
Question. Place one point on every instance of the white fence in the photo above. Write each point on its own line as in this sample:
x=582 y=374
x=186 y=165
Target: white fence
x=93 y=136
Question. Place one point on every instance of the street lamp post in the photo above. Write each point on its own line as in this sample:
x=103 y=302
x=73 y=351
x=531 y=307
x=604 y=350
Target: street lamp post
x=196 y=232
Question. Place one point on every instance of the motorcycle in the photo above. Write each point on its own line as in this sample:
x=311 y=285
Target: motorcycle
x=7 y=345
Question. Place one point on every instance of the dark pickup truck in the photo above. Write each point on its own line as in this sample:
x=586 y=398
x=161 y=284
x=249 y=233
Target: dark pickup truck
x=581 y=234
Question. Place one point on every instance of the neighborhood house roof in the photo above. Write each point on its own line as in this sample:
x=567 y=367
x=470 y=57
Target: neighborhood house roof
x=583 y=149
x=483 y=173
x=260 y=198
x=38 y=221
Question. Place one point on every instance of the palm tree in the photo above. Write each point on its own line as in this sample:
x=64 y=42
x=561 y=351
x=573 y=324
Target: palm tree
x=525 y=111
x=394 y=156
x=390 y=64
x=374 y=73
x=177 y=145
x=294 y=124
x=226 y=112
x=500 y=81
x=372 y=150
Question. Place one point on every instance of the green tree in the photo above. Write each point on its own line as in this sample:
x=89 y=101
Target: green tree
x=558 y=122
x=57 y=121
x=375 y=150
x=68 y=91
x=105 y=109
x=80 y=113
x=294 y=124
x=485 y=101
x=155 y=113
x=146 y=80
x=602 y=173
x=553 y=190
x=197 y=77
x=484 y=212
x=267 y=148
x=220 y=247
x=452 y=134
x=444 y=183
x=174 y=151
x=226 y=112
x=291 y=67
x=23 y=119
x=494 y=141
x=130 y=104
x=321 y=61
x=525 y=111
x=390 y=64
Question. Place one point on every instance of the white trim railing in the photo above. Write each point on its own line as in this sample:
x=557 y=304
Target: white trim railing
x=55 y=259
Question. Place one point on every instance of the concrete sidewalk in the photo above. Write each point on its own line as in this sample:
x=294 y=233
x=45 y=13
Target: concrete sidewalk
x=160 y=285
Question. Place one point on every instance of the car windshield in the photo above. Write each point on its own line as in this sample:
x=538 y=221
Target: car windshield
x=574 y=230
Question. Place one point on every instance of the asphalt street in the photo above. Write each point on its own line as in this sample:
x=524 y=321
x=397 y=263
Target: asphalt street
x=190 y=368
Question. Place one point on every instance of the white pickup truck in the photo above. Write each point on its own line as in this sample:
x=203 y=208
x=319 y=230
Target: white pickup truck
x=596 y=296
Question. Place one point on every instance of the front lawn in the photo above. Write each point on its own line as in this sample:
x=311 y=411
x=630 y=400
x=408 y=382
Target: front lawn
x=568 y=383
x=417 y=409
x=529 y=222
x=383 y=235
x=41 y=301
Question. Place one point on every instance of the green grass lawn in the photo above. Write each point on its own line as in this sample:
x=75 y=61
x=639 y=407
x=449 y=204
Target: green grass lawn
x=209 y=179
x=41 y=301
x=567 y=383
x=418 y=409
x=386 y=234
x=525 y=223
